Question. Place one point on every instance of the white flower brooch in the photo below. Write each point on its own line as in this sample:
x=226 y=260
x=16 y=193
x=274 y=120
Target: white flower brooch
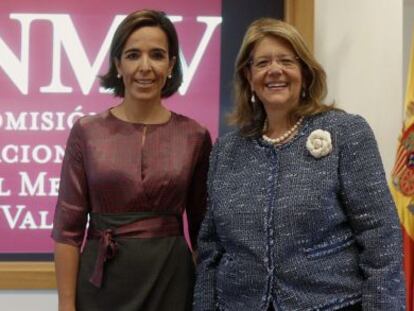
x=319 y=143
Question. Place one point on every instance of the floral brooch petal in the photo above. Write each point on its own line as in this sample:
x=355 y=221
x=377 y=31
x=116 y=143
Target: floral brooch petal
x=319 y=143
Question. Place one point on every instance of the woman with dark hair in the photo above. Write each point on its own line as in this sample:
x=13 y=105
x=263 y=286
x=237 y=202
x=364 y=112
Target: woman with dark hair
x=299 y=214
x=133 y=170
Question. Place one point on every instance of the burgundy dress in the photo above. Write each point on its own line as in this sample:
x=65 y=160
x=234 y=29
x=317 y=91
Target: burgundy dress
x=115 y=177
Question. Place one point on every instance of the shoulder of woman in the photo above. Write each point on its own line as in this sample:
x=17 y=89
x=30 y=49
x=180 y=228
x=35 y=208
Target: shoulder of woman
x=190 y=123
x=227 y=144
x=341 y=121
x=85 y=124
x=89 y=120
x=344 y=128
x=229 y=138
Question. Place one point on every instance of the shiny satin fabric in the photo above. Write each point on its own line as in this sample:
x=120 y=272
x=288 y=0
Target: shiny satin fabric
x=108 y=172
x=106 y=169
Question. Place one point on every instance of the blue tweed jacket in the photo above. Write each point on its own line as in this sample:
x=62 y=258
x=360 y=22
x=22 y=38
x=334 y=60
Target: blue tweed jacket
x=299 y=232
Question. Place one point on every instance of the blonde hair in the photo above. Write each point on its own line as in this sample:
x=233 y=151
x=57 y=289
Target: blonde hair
x=250 y=117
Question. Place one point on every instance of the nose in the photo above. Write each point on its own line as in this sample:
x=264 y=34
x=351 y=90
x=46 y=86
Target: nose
x=275 y=66
x=144 y=64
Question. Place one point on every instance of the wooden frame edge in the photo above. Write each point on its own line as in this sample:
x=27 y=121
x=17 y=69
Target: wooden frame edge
x=300 y=13
x=27 y=275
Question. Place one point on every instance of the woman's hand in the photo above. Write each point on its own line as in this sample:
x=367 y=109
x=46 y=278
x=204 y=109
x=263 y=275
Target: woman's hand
x=195 y=256
x=66 y=266
x=66 y=306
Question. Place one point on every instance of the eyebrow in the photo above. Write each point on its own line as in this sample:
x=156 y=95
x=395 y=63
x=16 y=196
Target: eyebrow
x=138 y=50
x=277 y=55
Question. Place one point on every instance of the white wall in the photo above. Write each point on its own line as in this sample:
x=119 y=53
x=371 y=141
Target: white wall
x=28 y=300
x=359 y=43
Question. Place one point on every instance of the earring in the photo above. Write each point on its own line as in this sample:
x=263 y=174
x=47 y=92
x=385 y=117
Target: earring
x=170 y=76
x=118 y=76
x=303 y=93
x=253 y=98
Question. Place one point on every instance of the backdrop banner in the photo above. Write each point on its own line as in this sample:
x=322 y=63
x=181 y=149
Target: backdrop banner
x=51 y=53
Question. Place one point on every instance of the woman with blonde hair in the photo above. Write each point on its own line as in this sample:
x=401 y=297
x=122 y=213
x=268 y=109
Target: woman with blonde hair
x=299 y=214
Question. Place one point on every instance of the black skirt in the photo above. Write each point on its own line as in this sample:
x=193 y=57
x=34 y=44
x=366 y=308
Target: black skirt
x=149 y=274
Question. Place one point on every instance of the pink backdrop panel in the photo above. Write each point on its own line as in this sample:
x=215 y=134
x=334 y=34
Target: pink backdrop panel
x=50 y=55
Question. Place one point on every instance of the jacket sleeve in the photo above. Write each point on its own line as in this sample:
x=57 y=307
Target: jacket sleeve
x=372 y=216
x=72 y=204
x=209 y=250
x=197 y=198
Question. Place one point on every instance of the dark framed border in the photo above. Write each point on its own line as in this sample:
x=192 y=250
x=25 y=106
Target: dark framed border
x=39 y=273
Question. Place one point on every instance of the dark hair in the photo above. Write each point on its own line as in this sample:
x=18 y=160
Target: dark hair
x=132 y=22
x=250 y=117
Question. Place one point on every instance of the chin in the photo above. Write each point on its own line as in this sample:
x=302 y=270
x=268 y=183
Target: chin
x=278 y=102
x=145 y=97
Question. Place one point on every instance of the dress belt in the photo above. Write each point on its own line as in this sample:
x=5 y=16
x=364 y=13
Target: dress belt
x=158 y=226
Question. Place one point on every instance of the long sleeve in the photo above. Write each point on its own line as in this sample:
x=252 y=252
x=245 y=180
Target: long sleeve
x=209 y=251
x=197 y=198
x=72 y=205
x=372 y=216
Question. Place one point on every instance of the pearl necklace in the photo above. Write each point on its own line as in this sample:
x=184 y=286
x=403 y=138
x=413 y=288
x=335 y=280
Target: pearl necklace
x=284 y=136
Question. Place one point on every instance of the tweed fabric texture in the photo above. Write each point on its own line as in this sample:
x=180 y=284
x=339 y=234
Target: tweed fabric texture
x=301 y=233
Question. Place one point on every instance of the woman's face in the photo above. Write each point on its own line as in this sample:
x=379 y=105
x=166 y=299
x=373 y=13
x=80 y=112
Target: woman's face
x=275 y=74
x=145 y=64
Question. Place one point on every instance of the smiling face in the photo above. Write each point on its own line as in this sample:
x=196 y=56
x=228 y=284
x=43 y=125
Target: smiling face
x=145 y=64
x=275 y=74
